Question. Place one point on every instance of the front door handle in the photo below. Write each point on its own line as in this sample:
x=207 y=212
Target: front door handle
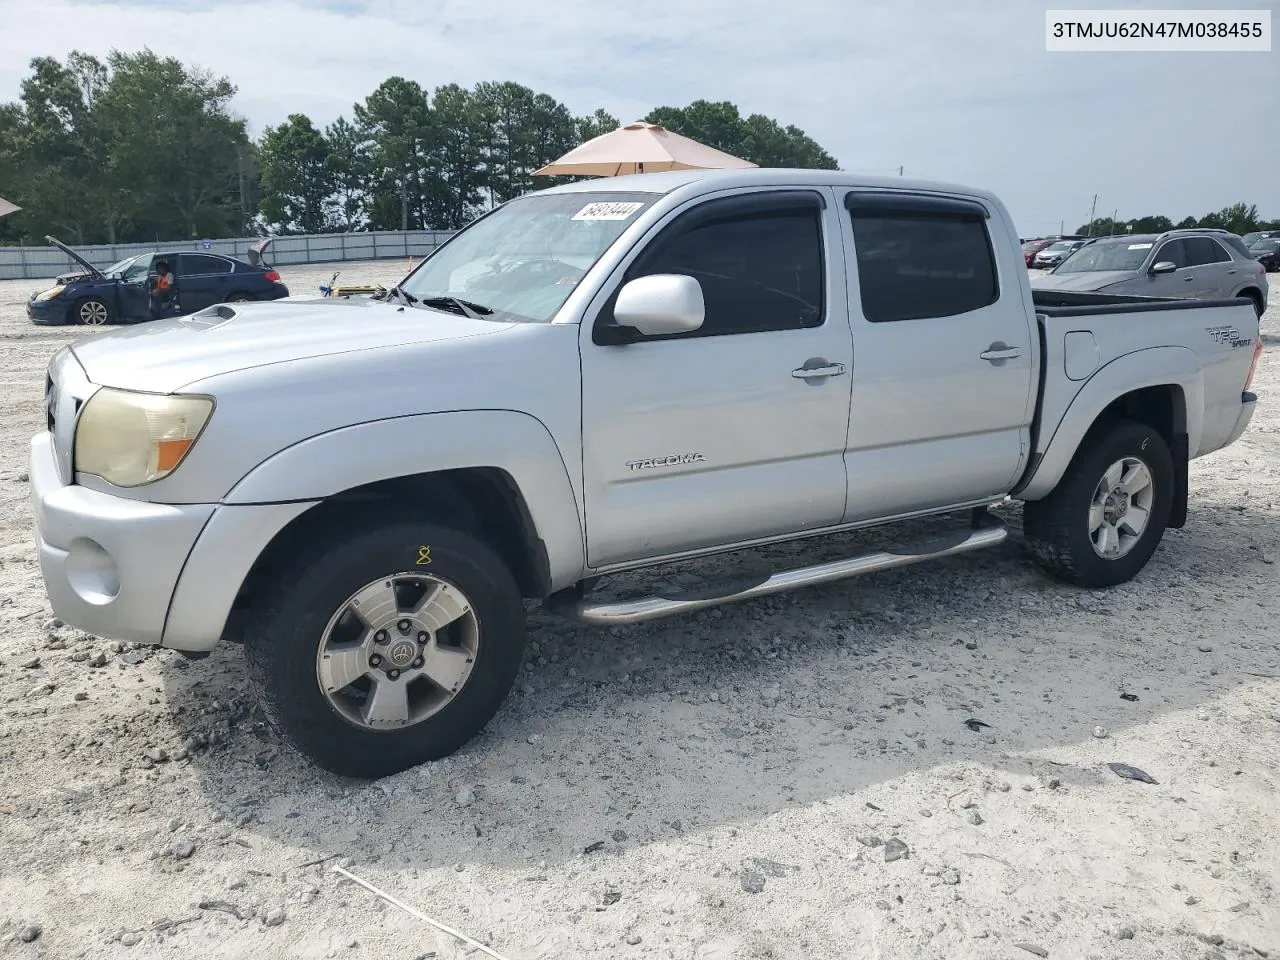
x=1188 y=278
x=818 y=368
x=1000 y=351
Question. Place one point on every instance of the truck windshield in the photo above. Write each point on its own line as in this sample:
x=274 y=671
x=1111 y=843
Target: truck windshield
x=523 y=260
x=1106 y=256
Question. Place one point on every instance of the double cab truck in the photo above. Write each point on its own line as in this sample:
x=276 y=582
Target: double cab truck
x=605 y=376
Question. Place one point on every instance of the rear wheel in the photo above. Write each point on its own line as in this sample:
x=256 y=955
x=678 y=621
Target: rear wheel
x=1106 y=517
x=93 y=312
x=1258 y=306
x=394 y=646
x=239 y=298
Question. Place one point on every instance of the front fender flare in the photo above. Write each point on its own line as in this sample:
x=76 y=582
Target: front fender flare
x=1154 y=367
x=519 y=444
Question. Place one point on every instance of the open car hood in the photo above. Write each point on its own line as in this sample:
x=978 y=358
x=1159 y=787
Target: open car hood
x=93 y=271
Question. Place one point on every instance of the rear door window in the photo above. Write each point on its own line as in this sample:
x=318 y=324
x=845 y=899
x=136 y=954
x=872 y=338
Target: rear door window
x=1202 y=250
x=918 y=260
x=199 y=264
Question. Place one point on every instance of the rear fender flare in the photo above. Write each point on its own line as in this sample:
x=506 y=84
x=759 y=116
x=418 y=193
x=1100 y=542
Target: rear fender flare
x=330 y=463
x=1155 y=367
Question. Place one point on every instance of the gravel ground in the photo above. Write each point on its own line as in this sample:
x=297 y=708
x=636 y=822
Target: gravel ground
x=787 y=778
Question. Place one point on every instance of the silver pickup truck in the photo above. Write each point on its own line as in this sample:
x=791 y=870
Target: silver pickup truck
x=595 y=378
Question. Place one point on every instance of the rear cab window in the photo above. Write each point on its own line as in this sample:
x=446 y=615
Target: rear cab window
x=920 y=257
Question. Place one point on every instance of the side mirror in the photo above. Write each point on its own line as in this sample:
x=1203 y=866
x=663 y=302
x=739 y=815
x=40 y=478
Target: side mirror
x=1164 y=266
x=664 y=303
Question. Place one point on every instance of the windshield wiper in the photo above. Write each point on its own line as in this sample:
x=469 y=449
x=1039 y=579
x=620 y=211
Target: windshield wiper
x=394 y=293
x=464 y=307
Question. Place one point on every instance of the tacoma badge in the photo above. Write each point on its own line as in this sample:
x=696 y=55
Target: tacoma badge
x=675 y=459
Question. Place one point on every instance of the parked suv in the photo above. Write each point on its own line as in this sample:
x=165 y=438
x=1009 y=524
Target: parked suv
x=1203 y=264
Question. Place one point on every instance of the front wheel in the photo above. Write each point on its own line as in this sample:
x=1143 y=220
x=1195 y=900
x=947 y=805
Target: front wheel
x=93 y=312
x=394 y=646
x=1105 y=518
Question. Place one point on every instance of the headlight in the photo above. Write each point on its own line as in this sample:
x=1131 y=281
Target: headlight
x=50 y=293
x=129 y=439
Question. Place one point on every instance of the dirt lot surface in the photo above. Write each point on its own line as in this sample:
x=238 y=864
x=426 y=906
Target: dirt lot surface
x=739 y=783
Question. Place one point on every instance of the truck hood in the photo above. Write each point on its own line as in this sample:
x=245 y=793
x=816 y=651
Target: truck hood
x=1094 y=280
x=165 y=355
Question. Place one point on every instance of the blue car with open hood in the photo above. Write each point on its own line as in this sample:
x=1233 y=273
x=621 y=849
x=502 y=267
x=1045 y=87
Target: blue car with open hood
x=125 y=292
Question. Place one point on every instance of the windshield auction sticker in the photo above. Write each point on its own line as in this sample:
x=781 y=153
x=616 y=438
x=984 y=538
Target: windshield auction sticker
x=606 y=211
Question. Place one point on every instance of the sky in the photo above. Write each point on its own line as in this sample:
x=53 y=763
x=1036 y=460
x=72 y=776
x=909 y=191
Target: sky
x=955 y=90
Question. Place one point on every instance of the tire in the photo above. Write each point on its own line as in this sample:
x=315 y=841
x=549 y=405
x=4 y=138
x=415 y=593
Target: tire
x=1059 y=528
x=93 y=312
x=239 y=298
x=299 y=613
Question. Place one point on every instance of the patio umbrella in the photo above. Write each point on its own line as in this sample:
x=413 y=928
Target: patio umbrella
x=639 y=148
x=7 y=208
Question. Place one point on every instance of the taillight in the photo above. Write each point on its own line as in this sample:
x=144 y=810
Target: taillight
x=1253 y=366
x=272 y=276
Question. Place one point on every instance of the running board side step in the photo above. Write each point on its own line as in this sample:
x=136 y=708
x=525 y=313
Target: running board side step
x=987 y=531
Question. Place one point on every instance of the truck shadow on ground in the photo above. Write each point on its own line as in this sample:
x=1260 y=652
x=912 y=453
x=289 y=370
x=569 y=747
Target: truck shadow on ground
x=635 y=734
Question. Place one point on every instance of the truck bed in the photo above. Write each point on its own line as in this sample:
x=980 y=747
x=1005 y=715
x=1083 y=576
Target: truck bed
x=1090 y=354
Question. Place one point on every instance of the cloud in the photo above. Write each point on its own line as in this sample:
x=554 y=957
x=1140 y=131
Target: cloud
x=959 y=91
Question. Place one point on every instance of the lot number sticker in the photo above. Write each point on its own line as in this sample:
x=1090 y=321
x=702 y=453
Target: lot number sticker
x=606 y=211
x=1139 y=246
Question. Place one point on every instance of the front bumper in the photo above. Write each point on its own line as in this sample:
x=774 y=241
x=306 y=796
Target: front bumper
x=109 y=564
x=47 y=312
x=144 y=572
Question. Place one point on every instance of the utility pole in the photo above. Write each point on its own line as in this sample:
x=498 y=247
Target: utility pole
x=899 y=171
x=1092 y=209
x=244 y=212
x=404 y=203
x=1062 y=227
x=1115 y=213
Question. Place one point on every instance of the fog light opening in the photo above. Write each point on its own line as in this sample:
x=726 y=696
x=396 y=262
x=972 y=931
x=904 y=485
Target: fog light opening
x=91 y=572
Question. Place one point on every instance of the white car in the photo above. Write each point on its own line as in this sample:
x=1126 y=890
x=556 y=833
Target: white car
x=1055 y=253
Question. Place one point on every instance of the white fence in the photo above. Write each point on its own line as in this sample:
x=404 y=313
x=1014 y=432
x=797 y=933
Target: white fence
x=22 y=263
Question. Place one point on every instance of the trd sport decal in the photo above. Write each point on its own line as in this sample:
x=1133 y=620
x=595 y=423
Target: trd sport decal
x=1228 y=335
x=677 y=459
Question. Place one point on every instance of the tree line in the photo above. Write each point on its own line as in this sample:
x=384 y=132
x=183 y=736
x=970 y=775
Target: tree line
x=146 y=148
x=1240 y=218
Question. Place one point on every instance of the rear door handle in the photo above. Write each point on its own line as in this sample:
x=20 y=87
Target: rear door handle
x=818 y=368
x=1000 y=351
